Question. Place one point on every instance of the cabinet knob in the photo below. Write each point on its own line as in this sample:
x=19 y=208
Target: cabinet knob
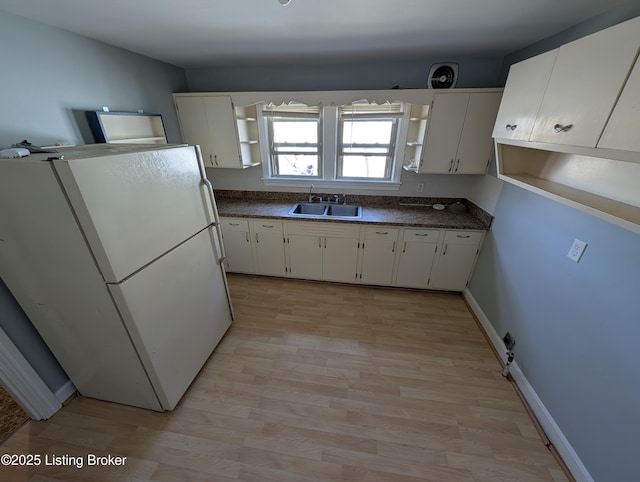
x=561 y=128
x=511 y=127
x=451 y=165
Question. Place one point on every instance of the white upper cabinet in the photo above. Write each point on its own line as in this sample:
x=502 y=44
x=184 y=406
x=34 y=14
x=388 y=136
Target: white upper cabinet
x=227 y=135
x=522 y=96
x=587 y=77
x=194 y=126
x=458 y=139
x=222 y=131
x=621 y=131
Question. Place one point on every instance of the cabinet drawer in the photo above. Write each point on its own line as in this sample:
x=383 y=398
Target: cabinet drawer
x=421 y=235
x=381 y=233
x=267 y=226
x=228 y=224
x=463 y=237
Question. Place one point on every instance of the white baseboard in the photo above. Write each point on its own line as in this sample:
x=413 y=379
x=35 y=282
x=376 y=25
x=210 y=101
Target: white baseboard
x=65 y=391
x=551 y=429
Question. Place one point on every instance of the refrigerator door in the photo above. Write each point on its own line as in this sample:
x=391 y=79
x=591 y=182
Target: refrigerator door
x=176 y=311
x=134 y=207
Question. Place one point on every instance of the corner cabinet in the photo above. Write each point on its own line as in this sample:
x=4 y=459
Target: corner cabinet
x=456 y=260
x=458 y=138
x=227 y=135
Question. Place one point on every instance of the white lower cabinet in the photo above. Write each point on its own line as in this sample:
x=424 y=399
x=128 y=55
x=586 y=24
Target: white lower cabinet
x=269 y=248
x=305 y=256
x=323 y=251
x=457 y=258
x=237 y=245
x=417 y=252
x=378 y=255
x=351 y=253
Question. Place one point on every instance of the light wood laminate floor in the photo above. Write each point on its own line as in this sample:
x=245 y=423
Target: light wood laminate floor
x=316 y=382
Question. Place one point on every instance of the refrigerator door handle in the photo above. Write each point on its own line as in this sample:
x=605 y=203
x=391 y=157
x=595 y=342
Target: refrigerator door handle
x=216 y=225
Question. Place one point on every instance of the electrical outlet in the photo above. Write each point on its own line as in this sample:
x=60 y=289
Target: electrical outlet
x=420 y=187
x=577 y=250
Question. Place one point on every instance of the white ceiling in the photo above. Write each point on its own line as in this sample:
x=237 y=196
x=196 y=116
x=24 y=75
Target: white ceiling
x=199 y=33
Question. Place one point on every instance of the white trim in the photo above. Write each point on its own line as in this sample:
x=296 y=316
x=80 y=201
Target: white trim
x=23 y=383
x=65 y=391
x=550 y=427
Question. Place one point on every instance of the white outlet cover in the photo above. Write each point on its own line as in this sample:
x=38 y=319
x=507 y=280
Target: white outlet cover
x=577 y=250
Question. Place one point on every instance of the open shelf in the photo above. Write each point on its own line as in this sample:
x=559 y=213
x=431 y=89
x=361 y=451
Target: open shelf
x=605 y=188
x=126 y=127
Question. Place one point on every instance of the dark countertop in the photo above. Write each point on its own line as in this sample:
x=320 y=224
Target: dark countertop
x=389 y=212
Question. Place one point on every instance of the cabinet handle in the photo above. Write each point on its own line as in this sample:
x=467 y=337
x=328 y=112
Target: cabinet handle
x=257 y=240
x=393 y=247
x=216 y=159
x=560 y=128
x=444 y=251
x=325 y=243
x=511 y=127
x=421 y=234
x=451 y=165
x=404 y=247
x=457 y=165
x=247 y=233
x=319 y=242
x=234 y=224
x=464 y=236
x=382 y=232
x=267 y=226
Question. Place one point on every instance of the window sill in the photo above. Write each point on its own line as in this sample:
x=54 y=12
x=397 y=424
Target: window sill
x=340 y=185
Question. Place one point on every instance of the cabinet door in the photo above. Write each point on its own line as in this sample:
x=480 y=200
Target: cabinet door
x=454 y=267
x=193 y=125
x=378 y=256
x=443 y=133
x=455 y=263
x=474 y=149
x=223 y=131
x=305 y=256
x=586 y=79
x=621 y=131
x=417 y=253
x=523 y=93
x=269 y=248
x=339 y=259
x=237 y=246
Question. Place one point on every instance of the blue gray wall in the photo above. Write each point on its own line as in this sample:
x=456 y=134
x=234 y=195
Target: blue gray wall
x=576 y=325
x=50 y=77
x=406 y=74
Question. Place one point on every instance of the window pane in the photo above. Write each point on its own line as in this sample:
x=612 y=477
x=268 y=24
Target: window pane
x=297 y=165
x=366 y=131
x=364 y=166
x=366 y=150
x=295 y=132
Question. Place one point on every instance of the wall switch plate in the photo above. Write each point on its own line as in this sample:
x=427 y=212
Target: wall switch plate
x=577 y=250
x=420 y=187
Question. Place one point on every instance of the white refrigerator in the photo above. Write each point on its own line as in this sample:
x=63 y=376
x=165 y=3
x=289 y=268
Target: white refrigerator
x=114 y=254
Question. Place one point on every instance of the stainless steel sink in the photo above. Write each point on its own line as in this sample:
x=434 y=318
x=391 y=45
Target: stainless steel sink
x=344 y=211
x=309 y=209
x=323 y=210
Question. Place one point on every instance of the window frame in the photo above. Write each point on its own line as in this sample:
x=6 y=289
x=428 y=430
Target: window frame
x=329 y=165
x=369 y=113
x=293 y=112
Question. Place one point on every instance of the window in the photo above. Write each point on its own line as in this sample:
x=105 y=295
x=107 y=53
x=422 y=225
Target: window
x=295 y=133
x=367 y=140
